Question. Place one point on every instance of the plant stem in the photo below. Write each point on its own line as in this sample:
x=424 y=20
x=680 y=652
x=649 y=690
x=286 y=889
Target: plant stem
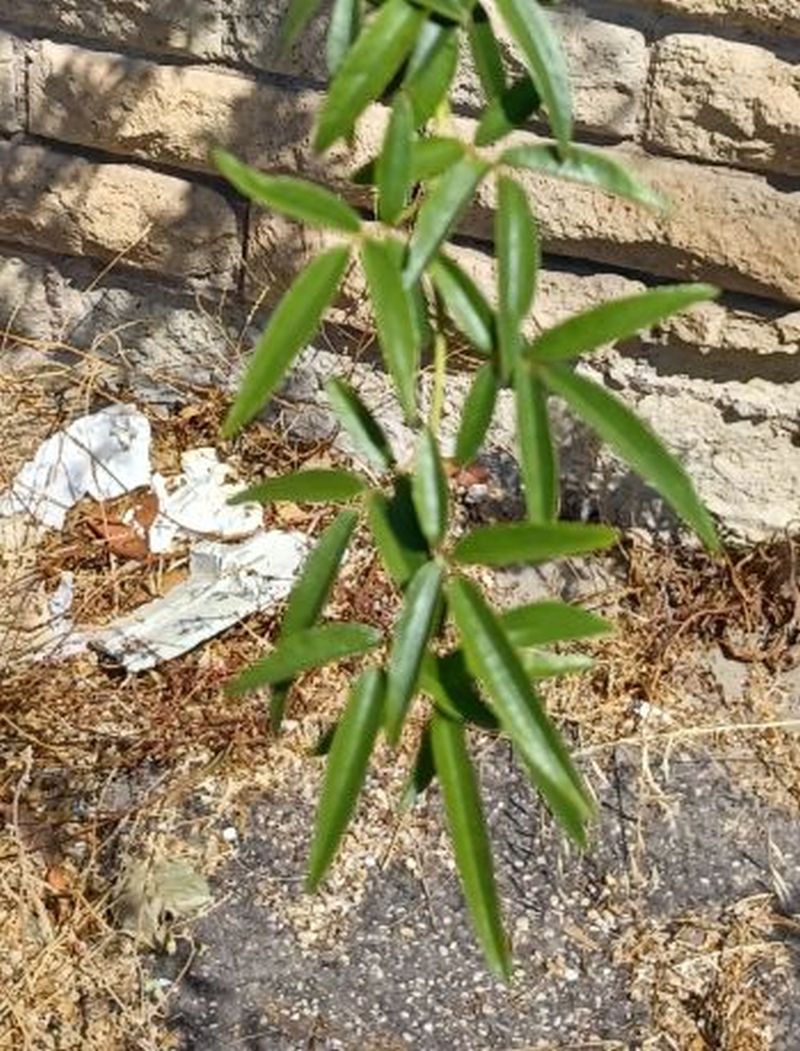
x=439 y=378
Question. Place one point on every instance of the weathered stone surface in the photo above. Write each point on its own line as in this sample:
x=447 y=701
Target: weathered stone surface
x=10 y=94
x=176 y=114
x=193 y=27
x=725 y=101
x=779 y=16
x=62 y=203
x=730 y=227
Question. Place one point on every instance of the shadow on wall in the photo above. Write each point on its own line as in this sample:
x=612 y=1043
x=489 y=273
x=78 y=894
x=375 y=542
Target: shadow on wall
x=117 y=170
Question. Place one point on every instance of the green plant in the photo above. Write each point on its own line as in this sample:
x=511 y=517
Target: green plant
x=476 y=668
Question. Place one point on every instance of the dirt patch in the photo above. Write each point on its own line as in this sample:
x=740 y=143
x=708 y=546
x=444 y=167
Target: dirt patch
x=686 y=728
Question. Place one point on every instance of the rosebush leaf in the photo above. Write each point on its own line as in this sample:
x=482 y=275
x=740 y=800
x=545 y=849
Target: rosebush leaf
x=411 y=636
x=616 y=320
x=505 y=545
x=305 y=201
x=394 y=163
x=365 y=432
x=464 y=302
x=578 y=164
x=312 y=486
x=345 y=771
x=473 y=854
x=477 y=414
x=635 y=443
x=394 y=317
x=429 y=489
x=539 y=623
x=367 y=69
x=537 y=454
x=495 y=663
x=293 y=323
x=306 y=649
x=440 y=211
x=518 y=258
x=544 y=58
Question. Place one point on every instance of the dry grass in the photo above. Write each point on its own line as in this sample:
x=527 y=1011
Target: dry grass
x=98 y=768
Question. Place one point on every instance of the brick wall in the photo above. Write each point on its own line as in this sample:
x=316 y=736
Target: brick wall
x=108 y=109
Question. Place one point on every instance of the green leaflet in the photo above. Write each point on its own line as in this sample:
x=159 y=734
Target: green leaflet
x=493 y=660
x=518 y=258
x=537 y=454
x=394 y=317
x=398 y=537
x=470 y=839
x=345 y=771
x=477 y=414
x=394 y=164
x=431 y=69
x=539 y=623
x=308 y=596
x=429 y=157
x=457 y=10
x=429 y=489
x=616 y=320
x=486 y=54
x=447 y=681
x=434 y=155
x=367 y=69
x=293 y=323
x=505 y=545
x=319 y=486
x=306 y=649
x=507 y=112
x=440 y=211
x=297 y=198
x=464 y=302
x=422 y=772
x=543 y=56
x=539 y=664
x=298 y=15
x=343 y=30
x=635 y=443
x=411 y=636
x=310 y=593
x=578 y=164
x=365 y=432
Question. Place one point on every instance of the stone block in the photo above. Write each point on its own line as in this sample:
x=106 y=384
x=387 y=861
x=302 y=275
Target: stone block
x=725 y=101
x=730 y=227
x=11 y=101
x=60 y=203
x=175 y=114
x=781 y=17
x=186 y=27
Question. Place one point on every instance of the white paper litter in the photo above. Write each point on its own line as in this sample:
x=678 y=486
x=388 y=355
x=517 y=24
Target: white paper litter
x=227 y=582
x=102 y=455
x=196 y=504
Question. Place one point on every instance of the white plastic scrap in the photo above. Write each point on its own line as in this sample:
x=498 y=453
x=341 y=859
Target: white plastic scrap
x=196 y=504
x=227 y=582
x=102 y=455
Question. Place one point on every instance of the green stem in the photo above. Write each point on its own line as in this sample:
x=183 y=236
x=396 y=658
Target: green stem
x=439 y=379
